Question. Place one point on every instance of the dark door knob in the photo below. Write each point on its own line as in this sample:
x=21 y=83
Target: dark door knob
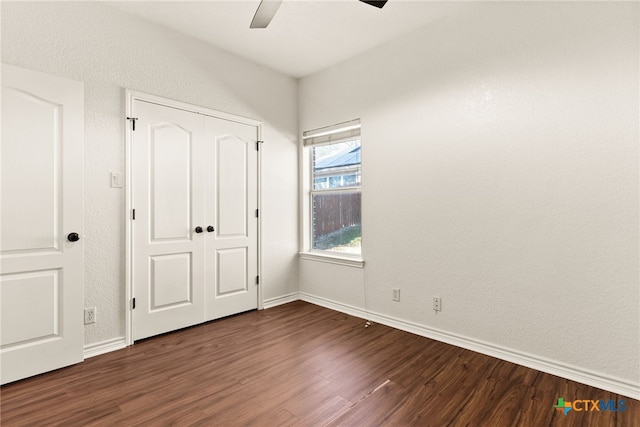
x=73 y=237
x=198 y=229
x=210 y=229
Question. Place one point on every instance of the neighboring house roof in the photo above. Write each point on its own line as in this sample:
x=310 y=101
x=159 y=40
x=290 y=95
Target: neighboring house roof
x=348 y=157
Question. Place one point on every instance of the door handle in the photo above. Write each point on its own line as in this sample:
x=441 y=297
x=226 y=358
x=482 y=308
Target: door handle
x=198 y=229
x=210 y=229
x=73 y=237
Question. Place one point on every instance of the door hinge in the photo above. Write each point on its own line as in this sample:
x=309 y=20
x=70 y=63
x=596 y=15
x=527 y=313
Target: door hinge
x=133 y=122
x=258 y=145
x=257 y=213
x=133 y=303
x=257 y=280
x=133 y=214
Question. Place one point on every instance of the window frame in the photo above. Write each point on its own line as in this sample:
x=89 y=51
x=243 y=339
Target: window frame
x=342 y=132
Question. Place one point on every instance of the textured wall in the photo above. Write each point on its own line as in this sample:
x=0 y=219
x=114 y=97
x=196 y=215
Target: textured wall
x=110 y=51
x=500 y=172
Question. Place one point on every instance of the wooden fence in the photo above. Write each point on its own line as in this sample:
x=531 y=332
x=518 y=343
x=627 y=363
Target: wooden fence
x=332 y=212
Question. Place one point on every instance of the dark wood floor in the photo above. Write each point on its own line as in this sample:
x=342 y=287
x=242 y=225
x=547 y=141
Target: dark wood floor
x=299 y=365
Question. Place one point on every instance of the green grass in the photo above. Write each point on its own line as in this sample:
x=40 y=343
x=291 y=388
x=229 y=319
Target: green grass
x=345 y=239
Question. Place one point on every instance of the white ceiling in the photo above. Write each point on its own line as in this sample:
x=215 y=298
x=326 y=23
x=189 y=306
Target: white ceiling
x=305 y=36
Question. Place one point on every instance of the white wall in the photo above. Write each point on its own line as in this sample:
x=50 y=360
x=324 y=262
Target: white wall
x=110 y=51
x=500 y=173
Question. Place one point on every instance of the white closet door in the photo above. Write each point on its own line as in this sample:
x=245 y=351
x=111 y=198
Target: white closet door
x=231 y=205
x=195 y=233
x=168 y=265
x=41 y=244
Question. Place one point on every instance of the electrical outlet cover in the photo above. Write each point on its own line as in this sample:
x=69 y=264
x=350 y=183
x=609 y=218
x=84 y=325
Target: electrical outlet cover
x=89 y=315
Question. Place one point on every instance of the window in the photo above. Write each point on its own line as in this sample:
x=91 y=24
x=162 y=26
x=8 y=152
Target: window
x=335 y=223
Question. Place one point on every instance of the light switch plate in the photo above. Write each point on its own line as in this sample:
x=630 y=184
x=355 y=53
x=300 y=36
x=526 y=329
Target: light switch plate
x=116 y=180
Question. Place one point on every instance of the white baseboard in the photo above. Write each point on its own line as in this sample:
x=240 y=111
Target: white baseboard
x=337 y=306
x=284 y=299
x=96 y=349
x=605 y=382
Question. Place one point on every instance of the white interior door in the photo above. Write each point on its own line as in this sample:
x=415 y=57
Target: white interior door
x=41 y=289
x=195 y=197
x=231 y=202
x=168 y=198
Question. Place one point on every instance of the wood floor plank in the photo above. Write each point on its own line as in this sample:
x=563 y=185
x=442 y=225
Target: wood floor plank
x=325 y=412
x=299 y=365
x=375 y=408
x=439 y=398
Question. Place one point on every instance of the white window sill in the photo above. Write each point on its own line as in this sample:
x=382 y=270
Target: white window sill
x=333 y=259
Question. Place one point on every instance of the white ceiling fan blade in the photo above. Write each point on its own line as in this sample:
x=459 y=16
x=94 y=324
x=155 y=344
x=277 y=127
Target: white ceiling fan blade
x=265 y=13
